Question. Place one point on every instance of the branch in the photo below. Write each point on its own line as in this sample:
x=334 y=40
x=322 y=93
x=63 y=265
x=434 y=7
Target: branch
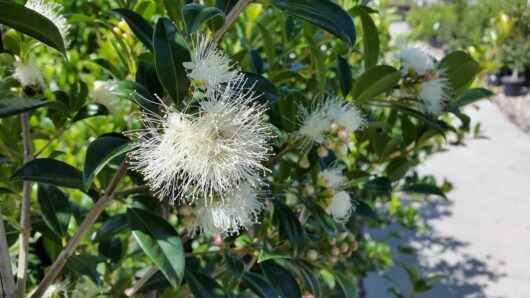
x=73 y=243
x=231 y=19
x=7 y=282
x=131 y=291
x=25 y=221
x=131 y=190
x=278 y=156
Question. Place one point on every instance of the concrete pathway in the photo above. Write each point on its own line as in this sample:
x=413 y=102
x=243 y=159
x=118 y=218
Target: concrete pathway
x=481 y=240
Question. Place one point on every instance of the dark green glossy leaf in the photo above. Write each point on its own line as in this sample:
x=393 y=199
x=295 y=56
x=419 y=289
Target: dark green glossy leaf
x=50 y=171
x=91 y=110
x=99 y=153
x=262 y=87
x=344 y=75
x=31 y=23
x=18 y=105
x=139 y=26
x=310 y=277
x=379 y=183
x=136 y=93
x=201 y=285
x=86 y=265
x=397 y=168
x=111 y=249
x=290 y=227
x=425 y=189
x=346 y=285
x=38 y=224
x=55 y=208
x=146 y=76
x=326 y=14
x=112 y=226
x=460 y=69
x=370 y=38
x=268 y=253
x=376 y=80
x=196 y=15
x=472 y=95
x=323 y=219
x=160 y=242
x=171 y=50
x=259 y=285
x=281 y=279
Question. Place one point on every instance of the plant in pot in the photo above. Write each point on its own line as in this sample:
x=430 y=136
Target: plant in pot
x=515 y=55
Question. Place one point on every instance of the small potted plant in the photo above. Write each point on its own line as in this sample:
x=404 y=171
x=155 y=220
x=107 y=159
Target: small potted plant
x=515 y=55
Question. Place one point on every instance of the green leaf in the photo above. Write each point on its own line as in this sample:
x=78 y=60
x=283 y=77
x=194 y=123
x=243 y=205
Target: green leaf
x=259 y=285
x=379 y=184
x=344 y=75
x=55 y=209
x=370 y=38
x=397 y=168
x=269 y=254
x=111 y=249
x=290 y=227
x=112 y=226
x=32 y=23
x=160 y=242
x=38 y=224
x=139 y=26
x=268 y=44
x=310 y=277
x=460 y=69
x=11 y=233
x=426 y=189
x=196 y=15
x=18 y=105
x=323 y=219
x=146 y=76
x=86 y=265
x=472 y=95
x=201 y=285
x=136 y=93
x=171 y=51
x=324 y=13
x=376 y=80
x=346 y=284
x=51 y=171
x=282 y=280
x=263 y=88
x=91 y=110
x=99 y=153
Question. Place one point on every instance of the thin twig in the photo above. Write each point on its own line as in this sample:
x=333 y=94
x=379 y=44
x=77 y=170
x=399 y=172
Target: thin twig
x=7 y=282
x=131 y=291
x=231 y=19
x=278 y=156
x=25 y=222
x=73 y=243
x=131 y=190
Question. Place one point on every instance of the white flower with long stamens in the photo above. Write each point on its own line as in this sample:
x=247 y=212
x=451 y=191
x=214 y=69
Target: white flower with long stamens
x=206 y=154
x=239 y=211
x=415 y=59
x=434 y=94
x=51 y=11
x=341 y=206
x=209 y=66
x=28 y=73
x=102 y=94
x=332 y=177
x=314 y=123
x=345 y=115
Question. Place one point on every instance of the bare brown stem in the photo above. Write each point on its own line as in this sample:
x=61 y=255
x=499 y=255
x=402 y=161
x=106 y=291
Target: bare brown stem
x=25 y=222
x=131 y=291
x=7 y=282
x=231 y=19
x=131 y=190
x=73 y=243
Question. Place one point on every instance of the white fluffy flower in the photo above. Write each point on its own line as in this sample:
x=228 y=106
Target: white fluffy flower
x=206 y=154
x=333 y=177
x=416 y=59
x=51 y=11
x=102 y=94
x=209 y=66
x=346 y=115
x=317 y=123
x=240 y=210
x=28 y=73
x=434 y=94
x=341 y=206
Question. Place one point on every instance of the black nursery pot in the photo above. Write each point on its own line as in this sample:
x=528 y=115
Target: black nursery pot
x=512 y=86
x=527 y=76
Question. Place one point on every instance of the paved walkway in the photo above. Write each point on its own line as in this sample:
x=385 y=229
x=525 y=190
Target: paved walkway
x=481 y=241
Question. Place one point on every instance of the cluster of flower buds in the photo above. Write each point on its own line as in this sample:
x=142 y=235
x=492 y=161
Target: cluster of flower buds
x=122 y=29
x=341 y=246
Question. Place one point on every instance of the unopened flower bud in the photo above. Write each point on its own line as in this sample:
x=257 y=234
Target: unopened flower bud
x=351 y=238
x=354 y=246
x=342 y=149
x=185 y=210
x=343 y=134
x=322 y=152
x=116 y=30
x=304 y=162
x=312 y=255
x=335 y=251
x=329 y=144
x=333 y=127
x=309 y=190
x=333 y=260
x=345 y=247
x=341 y=236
